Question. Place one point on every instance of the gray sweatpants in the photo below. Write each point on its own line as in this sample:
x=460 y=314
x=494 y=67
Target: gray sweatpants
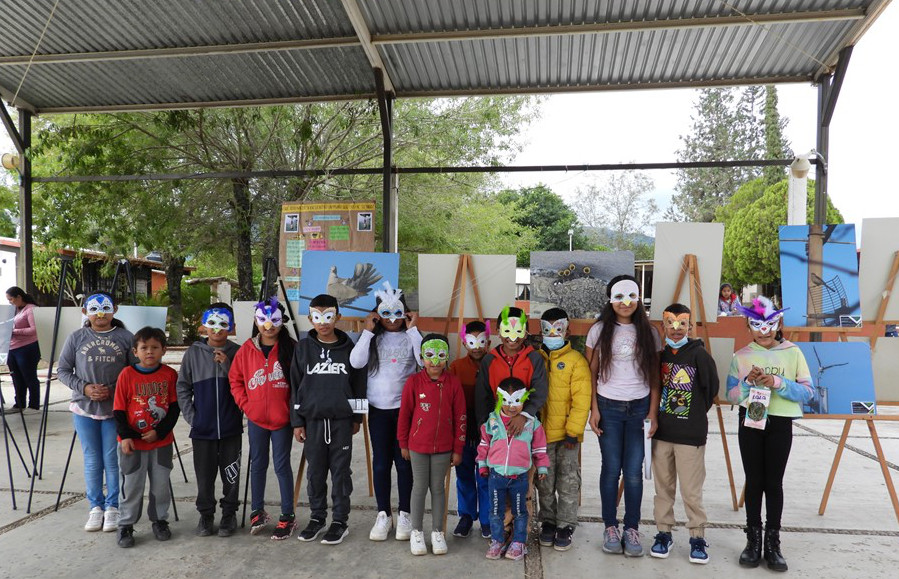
x=429 y=472
x=136 y=467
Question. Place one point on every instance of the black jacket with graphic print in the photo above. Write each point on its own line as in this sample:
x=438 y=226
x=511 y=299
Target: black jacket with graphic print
x=323 y=381
x=689 y=387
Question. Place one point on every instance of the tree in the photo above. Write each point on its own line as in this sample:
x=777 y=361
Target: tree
x=776 y=146
x=618 y=208
x=542 y=212
x=751 y=250
x=9 y=210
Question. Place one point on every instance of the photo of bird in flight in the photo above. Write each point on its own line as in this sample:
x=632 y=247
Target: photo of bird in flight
x=359 y=284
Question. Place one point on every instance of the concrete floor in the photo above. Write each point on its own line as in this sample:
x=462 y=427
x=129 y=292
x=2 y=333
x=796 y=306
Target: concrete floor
x=858 y=535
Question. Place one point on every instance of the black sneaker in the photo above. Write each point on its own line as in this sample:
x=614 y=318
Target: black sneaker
x=312 y=530
x=228 y=525
x=125 y=537
x=336 y=533
x=285 y=527
x=258 y=520
x=161 y=531
x=485 y=532
x=205 y=528
x=463 y=528
x=547 y=534
x=562 y=541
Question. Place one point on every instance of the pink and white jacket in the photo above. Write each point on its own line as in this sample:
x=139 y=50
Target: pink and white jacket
x=511 y=456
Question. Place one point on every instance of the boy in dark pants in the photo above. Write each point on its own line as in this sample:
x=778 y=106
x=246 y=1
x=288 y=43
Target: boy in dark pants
x=326 y=389
x=204 y=395
x=146 y=410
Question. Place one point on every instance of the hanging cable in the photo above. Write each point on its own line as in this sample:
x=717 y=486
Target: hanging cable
x=34 y=52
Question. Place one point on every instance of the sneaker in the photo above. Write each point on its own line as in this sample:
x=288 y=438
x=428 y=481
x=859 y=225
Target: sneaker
x=698 y=552
x=161 y=530
x=562 y=540
x=516 y=551
x=495 y=550
x=485 y=532
x=632 y=545
x=382 y=527
x=285 y=527
x=403 y=526
x=312 y=530
x=661 y=546
x=111 y=519
x=125 y=538
x=206 y=526
x=611 y=540
x=258 y=520
x=417 y=543
x=94 y=520
x=438 y=543
x=16 y=410
x=336 y=533
x=228 y=525
x=547 y=534
x=463 y=528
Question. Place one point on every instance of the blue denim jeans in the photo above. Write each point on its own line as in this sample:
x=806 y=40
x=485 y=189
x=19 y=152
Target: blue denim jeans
x=100 y=447
x=385 y=454
x=621 y=446
x=471 y=489
x=517 y=491
x=281 y=441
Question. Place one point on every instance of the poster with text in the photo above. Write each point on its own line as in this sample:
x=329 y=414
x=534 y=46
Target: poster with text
x=351 y=277
x=575 y=280
x=310 y=226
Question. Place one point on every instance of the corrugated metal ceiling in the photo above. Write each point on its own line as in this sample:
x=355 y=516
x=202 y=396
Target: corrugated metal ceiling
x=136 y=54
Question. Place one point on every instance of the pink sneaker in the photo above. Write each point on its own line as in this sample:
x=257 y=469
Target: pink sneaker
x=516 y=551
x=495 y=550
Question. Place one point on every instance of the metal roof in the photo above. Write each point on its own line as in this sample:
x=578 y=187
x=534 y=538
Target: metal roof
x=106 y=55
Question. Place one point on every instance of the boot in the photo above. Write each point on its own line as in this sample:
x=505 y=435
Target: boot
x=752 y=554
x=773 y=555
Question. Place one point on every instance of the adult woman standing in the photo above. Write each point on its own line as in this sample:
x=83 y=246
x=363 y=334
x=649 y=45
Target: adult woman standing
x=24 y=351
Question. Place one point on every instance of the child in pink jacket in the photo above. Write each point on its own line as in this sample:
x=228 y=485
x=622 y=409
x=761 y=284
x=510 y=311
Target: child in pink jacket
x=505 y=461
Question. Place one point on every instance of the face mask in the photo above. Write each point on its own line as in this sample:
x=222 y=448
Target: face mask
x=320 y=317
x=512 y=329
x=390 y=307
x=765 y=327
x=513 y=399
x=676 y=322
x=556 y=328
x=435 y=352
x=268 y=315
x=678 y=344
x=553 y=342
x=625 y=291
x=99 y=305
x=217 y=319
x=476 y=341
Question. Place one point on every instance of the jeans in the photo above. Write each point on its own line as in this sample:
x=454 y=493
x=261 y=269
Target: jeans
x=517 y=491
x=100 y=448
x=471 y=490
x=23 y=369
x=385 y=450
x=621 y=446
x=281 y=441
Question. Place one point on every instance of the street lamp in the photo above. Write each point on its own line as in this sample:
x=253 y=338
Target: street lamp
x=570 y=237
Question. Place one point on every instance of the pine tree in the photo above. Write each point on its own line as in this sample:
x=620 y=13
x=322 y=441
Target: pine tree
x=776 y=147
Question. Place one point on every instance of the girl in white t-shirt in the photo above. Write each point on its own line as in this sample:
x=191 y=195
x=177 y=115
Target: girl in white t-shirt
x=623 y=351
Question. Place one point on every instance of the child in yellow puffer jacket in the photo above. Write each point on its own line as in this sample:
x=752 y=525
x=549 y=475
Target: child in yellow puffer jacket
x=564 y=418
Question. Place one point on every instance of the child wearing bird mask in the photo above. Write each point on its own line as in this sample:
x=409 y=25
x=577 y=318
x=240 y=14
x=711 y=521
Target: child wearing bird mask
x=259 y=378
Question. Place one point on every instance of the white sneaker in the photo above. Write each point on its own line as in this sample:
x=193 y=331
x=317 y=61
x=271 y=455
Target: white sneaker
x=417 y=543
x=438 y=543
x=403 y=526
x=111 y=519
x=382 y=527
x=94 y=520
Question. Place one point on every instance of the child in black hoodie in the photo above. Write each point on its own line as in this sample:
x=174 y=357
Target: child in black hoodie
x=326 y=389
x=689 y=387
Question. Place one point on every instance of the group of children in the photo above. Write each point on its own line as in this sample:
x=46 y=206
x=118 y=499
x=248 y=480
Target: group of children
x=502 y=417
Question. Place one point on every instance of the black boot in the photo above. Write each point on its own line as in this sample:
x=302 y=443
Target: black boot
x=773 y=555
x=752 y=554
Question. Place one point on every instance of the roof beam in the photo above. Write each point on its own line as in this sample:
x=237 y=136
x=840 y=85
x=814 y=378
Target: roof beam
x=365 y=37
x=613 y=27
x=179 y=51
x=9 y=96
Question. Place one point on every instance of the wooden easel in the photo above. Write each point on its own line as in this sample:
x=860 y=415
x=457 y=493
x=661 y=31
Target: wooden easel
x=690 y=273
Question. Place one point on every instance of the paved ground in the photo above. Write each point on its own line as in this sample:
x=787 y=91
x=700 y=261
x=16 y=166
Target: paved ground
x=858 y=535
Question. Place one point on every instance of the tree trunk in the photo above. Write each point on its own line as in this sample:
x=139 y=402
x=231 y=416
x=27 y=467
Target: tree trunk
x=242 y=214
x=174 y=271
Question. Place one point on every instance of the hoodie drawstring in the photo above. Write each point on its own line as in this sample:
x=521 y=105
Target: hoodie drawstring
x=327 y=431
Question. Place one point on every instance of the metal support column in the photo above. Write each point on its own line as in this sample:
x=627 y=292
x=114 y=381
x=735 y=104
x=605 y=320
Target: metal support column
x=385 y=108
x=26 y=250
x=828 y=93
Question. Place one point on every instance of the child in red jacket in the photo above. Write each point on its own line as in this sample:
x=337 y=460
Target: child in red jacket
x=431 y=433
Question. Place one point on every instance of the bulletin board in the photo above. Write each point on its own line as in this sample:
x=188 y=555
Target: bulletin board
x=321 y=226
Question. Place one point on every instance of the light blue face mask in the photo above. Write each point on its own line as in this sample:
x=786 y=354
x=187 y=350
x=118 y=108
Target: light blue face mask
x=677 y=345
x=553 y=342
